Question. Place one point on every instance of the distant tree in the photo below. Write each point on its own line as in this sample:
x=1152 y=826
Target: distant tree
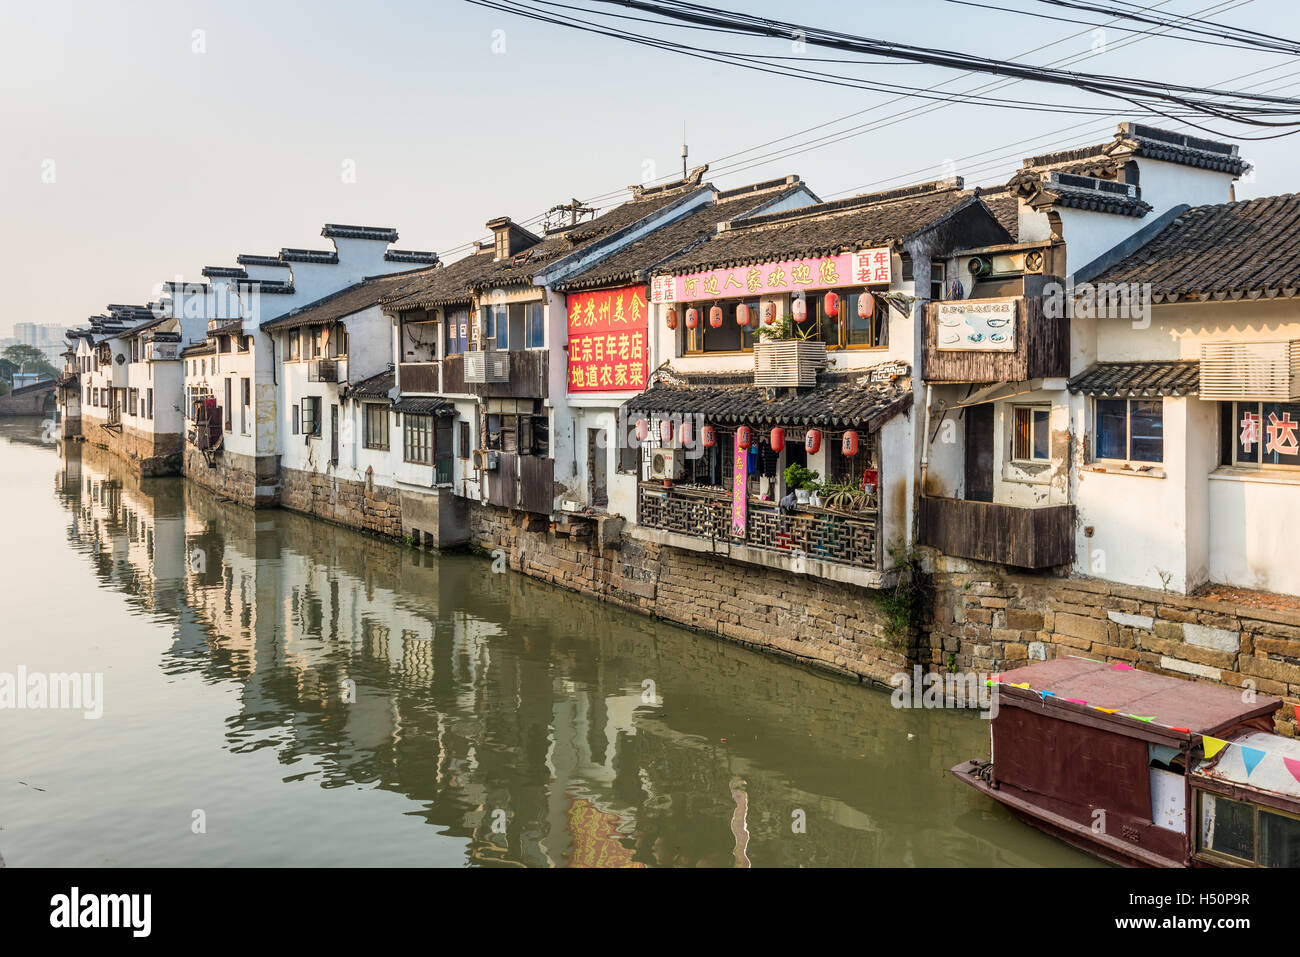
x=27 y=359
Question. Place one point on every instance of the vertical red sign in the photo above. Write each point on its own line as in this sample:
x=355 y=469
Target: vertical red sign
x=608 y=340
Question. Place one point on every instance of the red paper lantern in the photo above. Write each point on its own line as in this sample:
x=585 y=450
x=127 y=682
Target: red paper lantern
x=687 y=433
x=777 y=440
x=744 y=437
x=642 y=430
x=715 y=317
x=850 y=444
x=708 y=438
x=742 y=315
x=832 y=305
x=866 y=305
x=812 y=441
x=692 y=318
x=769 y=313
x=666 y=431
x=672 y=317
x=800 y=309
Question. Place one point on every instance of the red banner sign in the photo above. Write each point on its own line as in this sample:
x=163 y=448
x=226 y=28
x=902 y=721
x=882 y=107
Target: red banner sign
x=607 y=340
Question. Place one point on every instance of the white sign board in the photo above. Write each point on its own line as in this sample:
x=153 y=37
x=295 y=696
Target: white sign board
x=977 y=325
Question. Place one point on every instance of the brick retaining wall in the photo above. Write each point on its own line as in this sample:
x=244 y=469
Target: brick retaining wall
x=356 y=504
x=988 y=622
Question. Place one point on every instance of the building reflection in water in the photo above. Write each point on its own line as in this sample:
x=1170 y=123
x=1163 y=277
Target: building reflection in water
x=513 y=715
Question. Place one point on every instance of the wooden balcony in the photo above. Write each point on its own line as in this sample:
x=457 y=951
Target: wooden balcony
x=1036 y=346
x=527 y=377
x=1006 y=534
x=419 y=378
x=811 y=534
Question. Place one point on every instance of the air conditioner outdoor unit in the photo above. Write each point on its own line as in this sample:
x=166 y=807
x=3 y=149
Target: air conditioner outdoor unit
x=482 y=367
x=1250 y=371
x=667 y=464
x=485 y=460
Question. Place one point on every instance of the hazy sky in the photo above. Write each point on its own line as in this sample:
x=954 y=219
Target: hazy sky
x=165 y=158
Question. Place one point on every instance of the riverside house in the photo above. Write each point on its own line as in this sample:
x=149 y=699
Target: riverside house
x=481 y=343
x=1033 y=418
x=791 y=338
x=230 y=378
x=100 y=357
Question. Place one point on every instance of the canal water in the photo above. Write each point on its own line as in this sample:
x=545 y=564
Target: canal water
x=280 y=691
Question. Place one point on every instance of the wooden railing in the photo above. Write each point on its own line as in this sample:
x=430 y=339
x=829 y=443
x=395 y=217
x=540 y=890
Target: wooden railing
x=419 y=378
x=1006 y=534
x=816 y=533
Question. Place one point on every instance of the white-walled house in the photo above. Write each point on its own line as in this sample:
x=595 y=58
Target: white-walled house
x=791 y=338
x=1001 y=466
x=236 y=365
x=1187 y=427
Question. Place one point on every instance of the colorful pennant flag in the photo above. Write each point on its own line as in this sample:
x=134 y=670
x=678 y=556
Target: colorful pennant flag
x=1212 y=746
x=1251 y=757
x=1120 y=666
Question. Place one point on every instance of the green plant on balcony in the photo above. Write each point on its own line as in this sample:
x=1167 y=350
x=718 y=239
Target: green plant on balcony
x=800 y=477
x=845 y=498
x=786 y=330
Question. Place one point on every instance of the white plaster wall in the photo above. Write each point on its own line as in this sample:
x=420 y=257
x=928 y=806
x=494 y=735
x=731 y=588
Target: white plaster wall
x=1252 y=536
x=1140 y=522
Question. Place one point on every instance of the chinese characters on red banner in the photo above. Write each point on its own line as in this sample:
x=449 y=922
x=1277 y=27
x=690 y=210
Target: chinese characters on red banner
x=607 y=340
x=866 y=268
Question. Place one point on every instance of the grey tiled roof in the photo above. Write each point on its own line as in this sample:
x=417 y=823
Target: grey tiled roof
x=324 y=256
x=349 y=300
x=1137 y=380
x=459 y=281
x=375 y=387
x=425 y=406
x=1247 y=249
x=635 y=261
x=838 y=401
x=823 y=229
x=337 y=231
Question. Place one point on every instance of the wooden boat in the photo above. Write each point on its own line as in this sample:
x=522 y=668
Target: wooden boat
x=1141 y=769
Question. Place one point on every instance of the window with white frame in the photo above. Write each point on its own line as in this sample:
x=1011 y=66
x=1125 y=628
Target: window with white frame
x=376 y=425
x=1130 y=430
x=1031 y=433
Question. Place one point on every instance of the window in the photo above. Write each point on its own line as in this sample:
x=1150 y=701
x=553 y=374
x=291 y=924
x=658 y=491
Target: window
x=465 y=447
x=851 y=469
x=1031 y=434
x=228 y=415
x=417 y=436
x=1248 y=833
x=1130 y=430
x=311 y=416
x=501 y=325
x=148 y=403
x=295 y=420
x=444 y=452
x=534 y=326
x=1262 y=434
x=133 y=402
x=457 y=332
x=871 y=332
x=338 y=344
x=291 y=344
x=520 y=434
x=376 y=426
x=245 y=386
x=315 y=342
x=938 y=276
x=728 y=337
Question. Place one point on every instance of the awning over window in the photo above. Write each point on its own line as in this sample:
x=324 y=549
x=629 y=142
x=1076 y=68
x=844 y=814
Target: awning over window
x=853 y=400
x=1136 y=380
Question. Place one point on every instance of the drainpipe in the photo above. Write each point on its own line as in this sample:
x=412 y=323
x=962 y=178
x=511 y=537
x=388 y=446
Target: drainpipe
x=925 y=439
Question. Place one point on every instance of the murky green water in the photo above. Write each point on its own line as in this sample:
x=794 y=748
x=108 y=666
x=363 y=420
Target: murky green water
x=278 y=691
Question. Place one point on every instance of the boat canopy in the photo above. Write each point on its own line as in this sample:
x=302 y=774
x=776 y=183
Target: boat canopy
x=1118 y=690
x=1258 y=761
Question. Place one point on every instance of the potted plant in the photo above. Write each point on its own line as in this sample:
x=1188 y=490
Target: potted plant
x=801 y=480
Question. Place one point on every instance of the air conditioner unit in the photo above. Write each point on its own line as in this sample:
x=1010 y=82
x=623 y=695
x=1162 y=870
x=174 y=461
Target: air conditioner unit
x=485 y=460
x=667 y=464
x=482 y=367
x=323 y=370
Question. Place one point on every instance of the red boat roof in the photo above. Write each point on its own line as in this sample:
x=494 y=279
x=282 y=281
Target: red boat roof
x=1172 y=702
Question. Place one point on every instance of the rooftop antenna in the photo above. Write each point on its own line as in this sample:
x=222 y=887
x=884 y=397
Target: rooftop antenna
x=683 y=149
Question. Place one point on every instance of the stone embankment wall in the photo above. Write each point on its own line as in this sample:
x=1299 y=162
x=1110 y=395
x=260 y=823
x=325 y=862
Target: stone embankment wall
x=247 y=480
x=987 y=621
x=356 y=504
x=151 y=454
x=830 y=625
